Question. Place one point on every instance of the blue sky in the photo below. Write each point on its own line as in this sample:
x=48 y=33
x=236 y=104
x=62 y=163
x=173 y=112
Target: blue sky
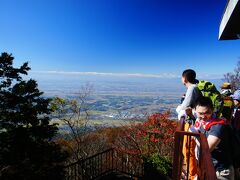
x=117 y=36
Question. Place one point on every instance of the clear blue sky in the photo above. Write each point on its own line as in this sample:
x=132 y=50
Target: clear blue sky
x=117 y=36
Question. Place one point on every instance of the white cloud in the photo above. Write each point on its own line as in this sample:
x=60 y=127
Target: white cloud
x=138 y=75
x=133 y=75
x=210 y=76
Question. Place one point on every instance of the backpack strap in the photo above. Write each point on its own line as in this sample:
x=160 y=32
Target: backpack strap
x=215 y=121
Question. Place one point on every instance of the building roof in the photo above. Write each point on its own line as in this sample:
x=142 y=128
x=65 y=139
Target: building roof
x=230 y=25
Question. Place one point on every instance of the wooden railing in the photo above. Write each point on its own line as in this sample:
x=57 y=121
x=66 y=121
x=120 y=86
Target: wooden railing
x=205 y=168
x=105 y=163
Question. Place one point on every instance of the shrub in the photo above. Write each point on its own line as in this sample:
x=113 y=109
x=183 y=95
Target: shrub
x=151 y=141
x=155 y=135
x=157 y=164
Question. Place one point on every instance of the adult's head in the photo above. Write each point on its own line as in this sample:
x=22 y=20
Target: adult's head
x=226 y=85
x=204 y=108
x=226 y=89
x=189 y=77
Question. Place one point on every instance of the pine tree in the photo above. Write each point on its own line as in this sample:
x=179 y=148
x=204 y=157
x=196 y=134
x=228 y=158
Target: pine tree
x=27 y=149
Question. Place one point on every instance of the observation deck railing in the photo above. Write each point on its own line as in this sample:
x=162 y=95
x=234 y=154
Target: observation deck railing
x=205 y=168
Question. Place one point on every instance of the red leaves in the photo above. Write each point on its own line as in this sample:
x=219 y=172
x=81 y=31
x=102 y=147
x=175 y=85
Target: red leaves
x=154 y=135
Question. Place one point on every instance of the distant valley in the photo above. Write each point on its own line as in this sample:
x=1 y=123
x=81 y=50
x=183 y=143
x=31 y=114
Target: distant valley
x=119 y=98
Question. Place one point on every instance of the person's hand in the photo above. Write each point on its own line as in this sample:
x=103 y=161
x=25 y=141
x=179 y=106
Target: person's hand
x=184 y=175
x=189 y=111
x=182 y=114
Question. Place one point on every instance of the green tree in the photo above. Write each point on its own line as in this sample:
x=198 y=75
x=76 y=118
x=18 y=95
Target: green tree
x=27 y=149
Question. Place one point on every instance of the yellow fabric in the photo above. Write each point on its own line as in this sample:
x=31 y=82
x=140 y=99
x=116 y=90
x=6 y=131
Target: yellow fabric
x=228 y=102
x=227 y=109
x=190 y=153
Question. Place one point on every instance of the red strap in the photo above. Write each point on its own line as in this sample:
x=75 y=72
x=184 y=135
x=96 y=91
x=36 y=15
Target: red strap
x=216 y=121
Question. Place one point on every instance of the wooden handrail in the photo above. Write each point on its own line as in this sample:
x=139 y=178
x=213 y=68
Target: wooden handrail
x=181 y=124
x=205 y=168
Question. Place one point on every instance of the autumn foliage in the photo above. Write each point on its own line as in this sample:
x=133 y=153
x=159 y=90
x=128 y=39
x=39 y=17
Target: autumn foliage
x=155 y=135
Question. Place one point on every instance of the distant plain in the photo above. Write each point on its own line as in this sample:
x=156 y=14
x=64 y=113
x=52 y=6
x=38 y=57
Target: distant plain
x=116 y=100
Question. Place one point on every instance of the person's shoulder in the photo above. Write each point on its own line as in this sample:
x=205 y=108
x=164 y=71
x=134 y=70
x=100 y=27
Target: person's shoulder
x=218 y=126
x=218 y=123
x=192 y=87
x=217 y=130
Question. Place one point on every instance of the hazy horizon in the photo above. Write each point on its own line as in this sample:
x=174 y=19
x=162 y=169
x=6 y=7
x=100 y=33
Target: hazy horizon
x=109 y=83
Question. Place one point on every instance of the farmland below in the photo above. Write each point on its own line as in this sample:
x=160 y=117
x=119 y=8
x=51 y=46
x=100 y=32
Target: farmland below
x=117 y=100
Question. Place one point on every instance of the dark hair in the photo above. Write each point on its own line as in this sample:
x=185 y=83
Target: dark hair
x=204 y=101
x=190 y=76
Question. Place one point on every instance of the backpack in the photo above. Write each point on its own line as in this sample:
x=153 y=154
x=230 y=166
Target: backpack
x=208 y=89
x=234 y=141
x=235 y=145
x=228 y=107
